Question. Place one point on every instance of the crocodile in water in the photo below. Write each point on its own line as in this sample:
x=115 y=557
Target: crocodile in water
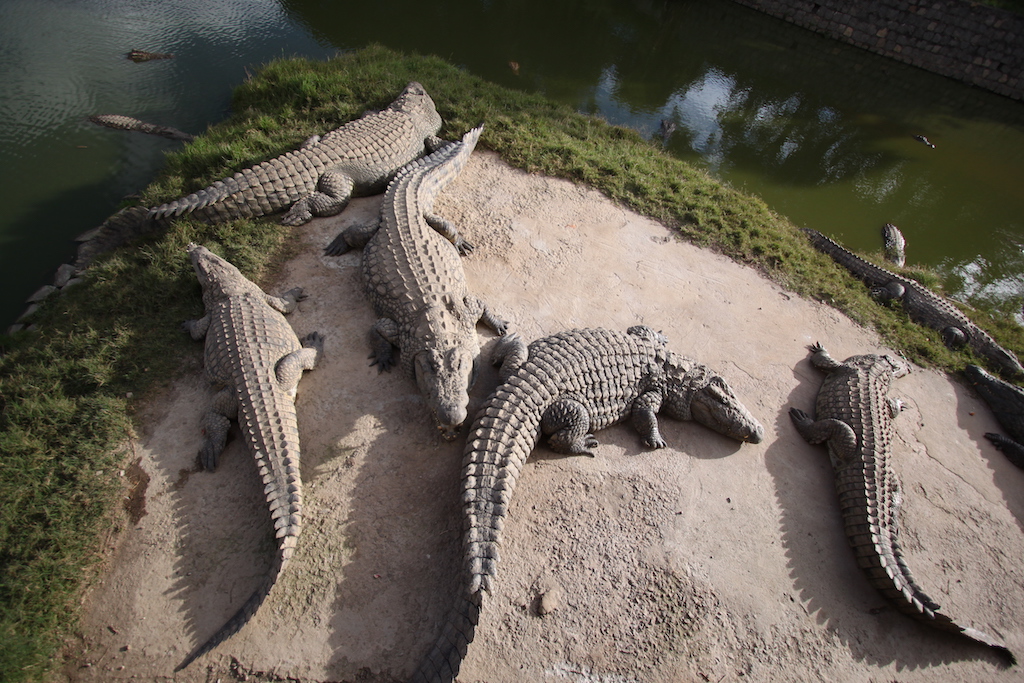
x=566 y=386
x=922 y=305
x=319 y=178
x=252 y=353
x=121 y=122
x=895 y=244
x=854 y=417
x=1007 y=403
x=413 y=276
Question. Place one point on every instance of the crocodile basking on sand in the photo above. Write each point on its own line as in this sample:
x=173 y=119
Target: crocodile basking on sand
x=922 y=305
x=1007 y=403
x=320 y=177
x=566 y=386
x=854 y=417
x=413 y=276
x=253 y=354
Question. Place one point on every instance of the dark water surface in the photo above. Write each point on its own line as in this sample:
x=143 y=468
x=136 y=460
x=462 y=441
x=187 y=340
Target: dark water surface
x=821 y=131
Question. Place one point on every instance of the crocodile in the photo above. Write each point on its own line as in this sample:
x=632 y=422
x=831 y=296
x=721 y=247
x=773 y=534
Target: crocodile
x=320 y=177
x=137 y=55
x=1007 y=403
x=413 y=276
x=121 y=122
x=854 y=417
x=922 y=305
x=895 y=244
x=566 y=386
x=253 y=354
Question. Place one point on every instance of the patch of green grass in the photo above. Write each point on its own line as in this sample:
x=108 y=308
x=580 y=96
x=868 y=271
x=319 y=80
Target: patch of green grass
x=65 y=406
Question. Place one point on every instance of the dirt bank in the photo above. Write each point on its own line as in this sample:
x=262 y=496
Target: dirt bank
x=706 y=561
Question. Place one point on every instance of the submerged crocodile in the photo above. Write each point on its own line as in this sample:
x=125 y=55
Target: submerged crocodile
x=566 y=386
x=854 y=417
x=414 y=278
x=121 y=122
x=253 y=354
x=922 y=305
x=137 y=55
x=320 y=177
x=1007 y=403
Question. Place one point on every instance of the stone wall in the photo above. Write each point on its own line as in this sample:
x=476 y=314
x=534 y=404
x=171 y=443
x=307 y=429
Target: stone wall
x=973 y=43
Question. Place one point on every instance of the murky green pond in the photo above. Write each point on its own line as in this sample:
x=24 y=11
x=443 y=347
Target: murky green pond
x=821 y=131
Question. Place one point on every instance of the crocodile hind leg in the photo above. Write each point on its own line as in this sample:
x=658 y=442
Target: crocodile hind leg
x=509 y=353
x=567 y=424
x=334 y=189
x=842 y=441
x=353 y=237
x=215 y=424
x=290 y=368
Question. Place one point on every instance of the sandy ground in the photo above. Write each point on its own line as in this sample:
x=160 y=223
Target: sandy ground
x=706 y=561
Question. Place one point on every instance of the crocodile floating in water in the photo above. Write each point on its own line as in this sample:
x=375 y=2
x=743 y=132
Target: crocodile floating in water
x=121 y=122
x=320 y=177
x=854 y=417
x=921 y=304
x=566 y=386
x=254 y=355
x=413 y=276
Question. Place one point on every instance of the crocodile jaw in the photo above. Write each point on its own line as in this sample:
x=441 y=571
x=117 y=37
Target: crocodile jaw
x=716 y=406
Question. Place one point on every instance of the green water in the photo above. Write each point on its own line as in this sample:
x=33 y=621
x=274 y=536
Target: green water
x=821 y=131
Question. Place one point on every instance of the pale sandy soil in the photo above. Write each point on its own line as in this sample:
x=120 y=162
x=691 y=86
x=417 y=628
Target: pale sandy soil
x=706 y=561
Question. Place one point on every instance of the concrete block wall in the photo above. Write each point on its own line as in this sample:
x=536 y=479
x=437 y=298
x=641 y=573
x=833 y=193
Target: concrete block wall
x=964 y=40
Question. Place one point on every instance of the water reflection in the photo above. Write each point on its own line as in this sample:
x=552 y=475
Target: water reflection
x=820 y=130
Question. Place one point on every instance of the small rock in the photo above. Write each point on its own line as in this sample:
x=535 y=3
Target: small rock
x=41 y=294
x=64 y=273
x=15 y=328
x=549 y=601
x=28 y=312
x=72 y=282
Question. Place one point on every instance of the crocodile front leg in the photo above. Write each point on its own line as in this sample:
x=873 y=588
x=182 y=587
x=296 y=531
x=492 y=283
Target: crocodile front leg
x=644 y=414
x=384 y=340
x=478 y=310
x=449 y=232
x=287 y=302
x=567 y=424
x=334 y=189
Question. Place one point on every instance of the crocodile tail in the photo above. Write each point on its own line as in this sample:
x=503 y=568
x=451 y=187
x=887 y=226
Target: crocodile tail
x=876 y=546
x=245 y=612
x=442 y=664
x=216 y=192
x=506 y=430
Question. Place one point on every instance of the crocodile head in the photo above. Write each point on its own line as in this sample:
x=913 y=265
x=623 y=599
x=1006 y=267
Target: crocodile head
x=444 y=377
x=415 y=101
x=695 y=392
x=218 y=277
